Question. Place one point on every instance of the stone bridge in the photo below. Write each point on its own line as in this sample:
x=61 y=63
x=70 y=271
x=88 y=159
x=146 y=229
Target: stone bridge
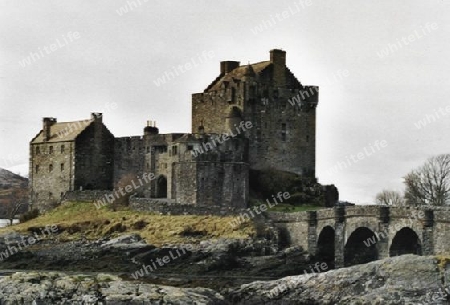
x=344 y=236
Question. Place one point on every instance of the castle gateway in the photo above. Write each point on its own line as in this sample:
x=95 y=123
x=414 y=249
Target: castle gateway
x=256 y=116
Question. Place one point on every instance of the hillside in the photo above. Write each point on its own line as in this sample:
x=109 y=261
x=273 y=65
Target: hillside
x=9 y=182
x=81 y=219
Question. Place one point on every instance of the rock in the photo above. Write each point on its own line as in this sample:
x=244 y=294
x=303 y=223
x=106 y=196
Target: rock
x=128 y=241
x=404 y=279
x=59 y=288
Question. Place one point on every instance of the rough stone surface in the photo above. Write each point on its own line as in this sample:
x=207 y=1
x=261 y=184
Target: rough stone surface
x=58 y=288
x=402 y=280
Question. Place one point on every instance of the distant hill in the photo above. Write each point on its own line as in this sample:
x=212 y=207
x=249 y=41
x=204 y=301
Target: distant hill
x=9 y=182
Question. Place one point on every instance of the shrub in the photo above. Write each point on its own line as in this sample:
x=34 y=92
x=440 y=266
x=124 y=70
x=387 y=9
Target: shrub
x=32 y=214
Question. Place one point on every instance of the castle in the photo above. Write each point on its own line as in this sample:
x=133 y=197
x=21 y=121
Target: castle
x=251 y=117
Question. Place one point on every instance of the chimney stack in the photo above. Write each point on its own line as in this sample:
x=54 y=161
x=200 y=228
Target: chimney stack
x=278 y=59
x=228 y=66
x=46 y=124
x=97 y=117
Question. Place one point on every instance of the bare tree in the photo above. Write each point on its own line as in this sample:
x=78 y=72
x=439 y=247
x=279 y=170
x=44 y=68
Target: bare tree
x=388 y=197
x=17 y=202
x=430 y=183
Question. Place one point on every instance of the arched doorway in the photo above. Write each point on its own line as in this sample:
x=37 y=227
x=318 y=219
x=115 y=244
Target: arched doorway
x=161 y=187
x=405 y=241
x=325 y=247
x=361 y=247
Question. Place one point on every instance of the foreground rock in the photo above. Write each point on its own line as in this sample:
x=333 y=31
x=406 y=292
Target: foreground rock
x=405 y=279
x=59 y=288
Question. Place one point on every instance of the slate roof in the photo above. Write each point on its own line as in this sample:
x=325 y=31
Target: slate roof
x=238 y=73
x=63 y=131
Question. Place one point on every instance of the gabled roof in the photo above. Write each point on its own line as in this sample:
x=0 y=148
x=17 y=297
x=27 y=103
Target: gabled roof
x=251 y=70
x=239 y=73
x=63 y=131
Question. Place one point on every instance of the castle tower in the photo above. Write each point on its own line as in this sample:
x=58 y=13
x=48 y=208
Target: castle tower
x=267 y=94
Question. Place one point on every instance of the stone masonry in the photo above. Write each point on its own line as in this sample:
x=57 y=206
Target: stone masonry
x=256 y=116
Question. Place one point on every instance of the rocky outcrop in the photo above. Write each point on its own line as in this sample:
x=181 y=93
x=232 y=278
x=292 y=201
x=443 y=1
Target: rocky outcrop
x=405 y=280
x=59 y=288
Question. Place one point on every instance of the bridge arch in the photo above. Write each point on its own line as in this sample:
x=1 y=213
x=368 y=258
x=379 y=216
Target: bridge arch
x=326 y=246
x=361 y=247
x=405 y=241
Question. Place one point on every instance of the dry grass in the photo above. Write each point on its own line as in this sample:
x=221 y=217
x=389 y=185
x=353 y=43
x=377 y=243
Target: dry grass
x=78 y=219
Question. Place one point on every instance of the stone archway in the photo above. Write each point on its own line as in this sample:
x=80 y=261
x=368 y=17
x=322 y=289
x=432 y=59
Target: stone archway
x=360 y=247
x=405 y=241
x=325 y=246
x=161 y=187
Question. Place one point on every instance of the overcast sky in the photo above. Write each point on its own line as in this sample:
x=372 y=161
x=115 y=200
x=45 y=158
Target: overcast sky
x=382 y=67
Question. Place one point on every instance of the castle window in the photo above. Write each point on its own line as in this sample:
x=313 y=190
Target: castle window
x=283 y=131
x=174 y=150
x=307 y=138
x=38 y=150
x=63 y=148
x=50 y=168
x=62 y=166
x=190 y=147
x=37 y=169
x=50 y=150
x=62 y=195
x=50 y=195
x=37 y=195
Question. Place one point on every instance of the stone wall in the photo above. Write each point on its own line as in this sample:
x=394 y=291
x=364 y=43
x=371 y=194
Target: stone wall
x=94 y=158
x=51 y=172
x=169 y=207
x=129 y=157
x=85 y=196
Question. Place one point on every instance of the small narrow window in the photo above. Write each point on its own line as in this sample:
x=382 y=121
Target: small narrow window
x=62 y=166
x=174 y=150
x=63 y=148
x=50 y=168
x=190 y=147
x=38 y=150
x=283 y=131
x=50 y=150
x=37 y=169
x=307 y=138
x=50 y=195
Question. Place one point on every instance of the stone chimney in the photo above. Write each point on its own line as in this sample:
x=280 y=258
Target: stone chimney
x=97 y=117
x=46 y=124
x=228 y=66
x=278 y=59
x=151 y=128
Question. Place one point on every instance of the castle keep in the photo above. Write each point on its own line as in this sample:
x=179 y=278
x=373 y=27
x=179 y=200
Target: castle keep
x=251 y=117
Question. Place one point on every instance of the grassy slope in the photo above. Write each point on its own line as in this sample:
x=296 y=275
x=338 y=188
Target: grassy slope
x=81 y=218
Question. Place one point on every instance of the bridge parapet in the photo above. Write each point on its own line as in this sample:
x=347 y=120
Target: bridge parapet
x=288 y=217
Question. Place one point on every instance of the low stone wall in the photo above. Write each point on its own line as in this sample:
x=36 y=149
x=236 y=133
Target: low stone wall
x=169 y=207
x=87 y=196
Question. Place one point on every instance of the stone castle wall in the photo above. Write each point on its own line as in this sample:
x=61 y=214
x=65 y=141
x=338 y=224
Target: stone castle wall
x=94 y=158
x=51 y=172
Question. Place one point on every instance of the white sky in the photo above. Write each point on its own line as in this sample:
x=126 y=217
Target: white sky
x=113 y=65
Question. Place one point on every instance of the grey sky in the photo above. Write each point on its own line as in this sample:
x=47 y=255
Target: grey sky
x=113 y=65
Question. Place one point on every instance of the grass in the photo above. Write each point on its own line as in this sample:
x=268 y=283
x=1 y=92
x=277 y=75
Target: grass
x=77 y=219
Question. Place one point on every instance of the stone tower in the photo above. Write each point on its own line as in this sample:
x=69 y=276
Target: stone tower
x=281 y=109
